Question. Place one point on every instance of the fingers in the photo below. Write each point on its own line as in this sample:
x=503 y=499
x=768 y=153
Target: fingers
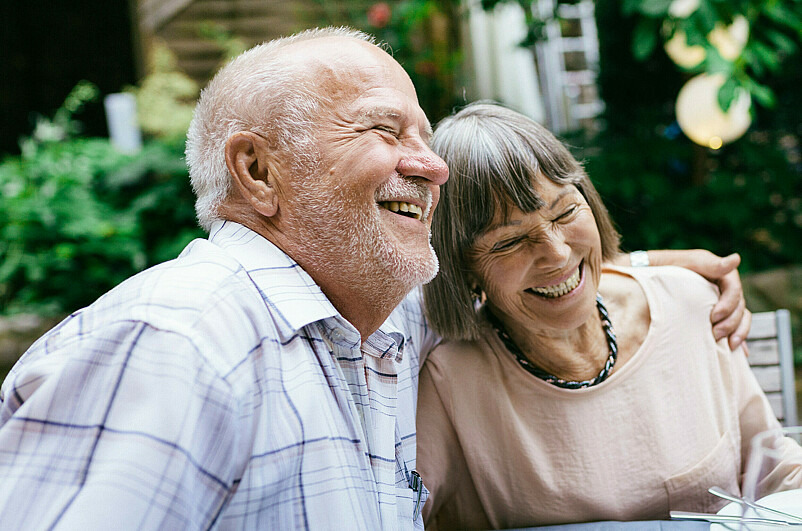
x=733 y=325
x=730 y=263
x=732 y=296
x=745 y=345
x=739 y=337
x=701 y=261
x=730 y=317
x=715 y=268
x=729 y=310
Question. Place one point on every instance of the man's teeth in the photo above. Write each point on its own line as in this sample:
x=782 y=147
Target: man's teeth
x=403 y=208
x=560 y=289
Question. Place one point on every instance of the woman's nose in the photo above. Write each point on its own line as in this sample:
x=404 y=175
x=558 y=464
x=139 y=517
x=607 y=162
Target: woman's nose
x=554 y=252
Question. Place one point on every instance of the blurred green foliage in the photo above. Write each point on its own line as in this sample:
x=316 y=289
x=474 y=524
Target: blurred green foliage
x=422 y=35
x=165 y=99
x=750 y=202
x=774 y=34
x=666 y=192
x=775 y=29
x=77 y=216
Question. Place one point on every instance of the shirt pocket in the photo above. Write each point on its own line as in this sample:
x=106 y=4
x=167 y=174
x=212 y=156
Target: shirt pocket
x=406 y=498
x=687 y=491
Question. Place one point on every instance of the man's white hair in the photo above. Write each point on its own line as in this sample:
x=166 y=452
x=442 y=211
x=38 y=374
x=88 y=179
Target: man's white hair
x=257 y=91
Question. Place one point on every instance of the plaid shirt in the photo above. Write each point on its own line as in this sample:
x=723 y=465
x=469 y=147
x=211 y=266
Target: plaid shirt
x=220 y=390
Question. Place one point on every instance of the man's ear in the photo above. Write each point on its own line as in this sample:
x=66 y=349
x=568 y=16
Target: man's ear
x=252 y=171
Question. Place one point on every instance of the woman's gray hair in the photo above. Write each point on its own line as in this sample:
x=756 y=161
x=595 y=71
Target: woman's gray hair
x=494 y=155
x=261 y=92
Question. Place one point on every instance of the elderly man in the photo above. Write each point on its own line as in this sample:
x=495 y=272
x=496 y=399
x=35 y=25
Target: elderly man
x=255 y=382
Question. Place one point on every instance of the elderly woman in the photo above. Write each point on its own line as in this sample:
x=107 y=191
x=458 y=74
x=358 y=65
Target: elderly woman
x=570 y=390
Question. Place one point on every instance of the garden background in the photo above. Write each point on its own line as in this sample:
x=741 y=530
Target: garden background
x=77 y=215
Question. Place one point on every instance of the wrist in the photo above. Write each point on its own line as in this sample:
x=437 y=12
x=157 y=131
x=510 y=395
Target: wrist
x=639 y=259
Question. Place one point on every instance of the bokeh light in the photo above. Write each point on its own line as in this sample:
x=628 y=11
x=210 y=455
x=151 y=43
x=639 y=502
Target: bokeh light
x=702 y=120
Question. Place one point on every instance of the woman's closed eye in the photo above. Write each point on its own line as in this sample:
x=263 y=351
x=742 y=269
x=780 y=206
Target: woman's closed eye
x=567 y=215
x=505 y=245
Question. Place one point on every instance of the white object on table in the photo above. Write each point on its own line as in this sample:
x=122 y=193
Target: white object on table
x=789 y=501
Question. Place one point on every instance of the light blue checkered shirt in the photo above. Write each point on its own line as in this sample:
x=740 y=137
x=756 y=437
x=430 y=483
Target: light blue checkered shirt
x=220 y=390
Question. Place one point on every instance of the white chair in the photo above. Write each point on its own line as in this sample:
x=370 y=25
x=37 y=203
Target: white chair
x=772 y=360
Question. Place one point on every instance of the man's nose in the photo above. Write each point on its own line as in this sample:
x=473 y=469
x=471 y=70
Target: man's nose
x=421 y=161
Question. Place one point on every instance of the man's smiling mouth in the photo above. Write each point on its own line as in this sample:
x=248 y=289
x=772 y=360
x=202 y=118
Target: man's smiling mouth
x=402 y=207
x=563 y=288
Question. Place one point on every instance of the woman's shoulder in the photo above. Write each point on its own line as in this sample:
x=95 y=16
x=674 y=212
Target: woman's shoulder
x=450 y=352
x=672 y=281
x=458 y=358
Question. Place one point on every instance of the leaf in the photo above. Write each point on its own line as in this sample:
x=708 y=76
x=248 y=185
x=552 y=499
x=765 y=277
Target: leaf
x=781 y=41
x=714 y=63
x=705 y=17
x=762 y=94
x=751 y=59
x=654 y=8
x=779 y=13
x=630 y=6
x=694 y=35
x=766 y=56
x=727 y=93
x=644 y=39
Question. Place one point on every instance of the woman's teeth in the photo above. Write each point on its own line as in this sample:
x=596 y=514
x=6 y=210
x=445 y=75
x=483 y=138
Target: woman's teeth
x=403 y=208
x=560 y=289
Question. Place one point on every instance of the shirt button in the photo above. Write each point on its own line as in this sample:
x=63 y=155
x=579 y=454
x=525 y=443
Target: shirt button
x=337 y=334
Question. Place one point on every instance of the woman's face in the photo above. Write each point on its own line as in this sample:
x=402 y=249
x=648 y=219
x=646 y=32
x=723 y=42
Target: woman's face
x=540 y=271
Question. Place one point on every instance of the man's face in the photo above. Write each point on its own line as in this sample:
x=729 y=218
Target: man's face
x=366 y=209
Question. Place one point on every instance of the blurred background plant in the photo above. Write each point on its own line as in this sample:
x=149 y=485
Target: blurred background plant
x=77 y=216
x=741 y=39
x=665 y=191
x=166 y=97
x=422 y=35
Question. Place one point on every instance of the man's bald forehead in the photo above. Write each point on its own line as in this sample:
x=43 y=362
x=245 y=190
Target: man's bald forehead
x=330 y=44
x=337 y=63
x=333 y=50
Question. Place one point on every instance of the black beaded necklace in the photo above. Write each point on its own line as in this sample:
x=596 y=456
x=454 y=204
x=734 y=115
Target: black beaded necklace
x=612 y=345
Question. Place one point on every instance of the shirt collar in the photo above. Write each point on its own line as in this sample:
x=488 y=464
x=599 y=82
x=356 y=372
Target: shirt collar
x=285 y=287
x=383 y=344
x=292 y=294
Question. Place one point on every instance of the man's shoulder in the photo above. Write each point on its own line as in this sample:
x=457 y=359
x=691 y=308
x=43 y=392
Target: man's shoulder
x=202 y=289
x=198 y=310
x=197 y=281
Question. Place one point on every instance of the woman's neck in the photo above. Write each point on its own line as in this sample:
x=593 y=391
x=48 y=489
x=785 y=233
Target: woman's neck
x=575 y=355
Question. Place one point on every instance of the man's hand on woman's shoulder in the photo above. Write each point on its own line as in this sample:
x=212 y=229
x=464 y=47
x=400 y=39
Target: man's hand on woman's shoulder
x=730 y=317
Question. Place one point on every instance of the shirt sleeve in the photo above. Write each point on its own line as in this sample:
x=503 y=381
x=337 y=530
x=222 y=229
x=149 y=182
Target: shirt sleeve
x=124 y=427
x=440 y=456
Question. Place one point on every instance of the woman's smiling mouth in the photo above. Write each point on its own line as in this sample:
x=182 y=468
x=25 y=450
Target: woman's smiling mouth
x=563 y=288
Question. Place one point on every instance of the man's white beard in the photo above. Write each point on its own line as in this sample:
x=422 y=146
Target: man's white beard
x=346 y=239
